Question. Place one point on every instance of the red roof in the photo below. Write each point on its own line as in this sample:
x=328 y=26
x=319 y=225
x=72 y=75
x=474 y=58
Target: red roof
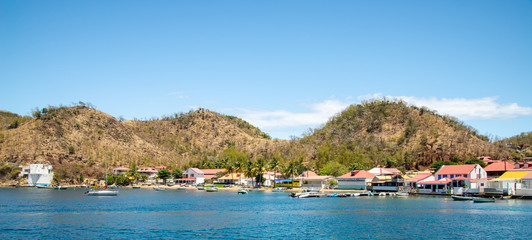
x=161 y=167
x=461 y=178
x=307 y=174
x=499 y=166
x=441 y=181
x=418 y=177
x=187 y=179
x=121 y=169
x=456 y=169
x=357 y=174
x=212 y=171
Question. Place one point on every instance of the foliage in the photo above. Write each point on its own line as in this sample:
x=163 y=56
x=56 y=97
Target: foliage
x=475 y=161
x=164 y=174
x=333 y=168
x=333 y=182
x=438 y=164
x=110 y=180
x=9 y=172
x=122 y=180
x=177 y=172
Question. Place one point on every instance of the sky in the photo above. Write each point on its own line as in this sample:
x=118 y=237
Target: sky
x=283 y=66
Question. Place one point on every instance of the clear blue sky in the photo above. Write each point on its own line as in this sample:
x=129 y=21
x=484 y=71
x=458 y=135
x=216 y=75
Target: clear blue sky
x=284 y=66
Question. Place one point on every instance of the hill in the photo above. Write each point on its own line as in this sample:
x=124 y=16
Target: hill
x=76 y=139
x=392 y=134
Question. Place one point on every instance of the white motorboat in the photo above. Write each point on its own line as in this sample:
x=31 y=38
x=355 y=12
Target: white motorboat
x=102 y=193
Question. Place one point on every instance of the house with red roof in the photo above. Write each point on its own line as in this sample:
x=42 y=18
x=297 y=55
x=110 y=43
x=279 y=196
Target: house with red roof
x=526 y=186
x=413 y=183
x=355 y=180
x=496 y=169
x=310 y=179
x=442 y=185
x=385 y=171
x=199 y=176
x=471 y=171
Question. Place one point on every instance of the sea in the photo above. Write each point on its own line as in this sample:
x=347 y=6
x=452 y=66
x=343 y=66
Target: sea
x=30 y=213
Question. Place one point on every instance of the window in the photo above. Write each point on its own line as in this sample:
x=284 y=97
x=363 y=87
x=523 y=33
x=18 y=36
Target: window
x=452 y=175
x=465 y=175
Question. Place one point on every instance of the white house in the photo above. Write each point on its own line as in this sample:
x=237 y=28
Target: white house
x=312 y=180
x=196 y=174
x=358 y=180
x=120 y=170
x=39 y=174
x=471 y=171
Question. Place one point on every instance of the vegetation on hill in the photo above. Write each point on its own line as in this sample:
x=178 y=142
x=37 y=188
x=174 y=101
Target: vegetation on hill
x=389 y=133
x=76 y=139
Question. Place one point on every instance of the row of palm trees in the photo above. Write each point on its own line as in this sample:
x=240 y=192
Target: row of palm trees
x=256 y=169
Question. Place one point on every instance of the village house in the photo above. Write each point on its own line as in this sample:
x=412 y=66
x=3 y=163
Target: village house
x=471 y=171
x=387 y=183
x=498 y=168
x=442 y=185
x=355 y=180
x=120 y=170
x=38 y=174
x=199 y=176
x=385 y=171
x=412 y=184
x=235 y=178
x=310 y=179
x=507 y=184
x=526 y=186
x=150 y=172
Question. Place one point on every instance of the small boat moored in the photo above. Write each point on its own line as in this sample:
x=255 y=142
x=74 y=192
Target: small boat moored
x=159 y=189
x=102 y=193
x=243 y=191
x=461 y=198
x=483 y=200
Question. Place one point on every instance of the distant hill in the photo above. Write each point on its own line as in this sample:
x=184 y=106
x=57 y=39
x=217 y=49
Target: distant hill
x=390 y=133
x=75 y=139
x=381 y=132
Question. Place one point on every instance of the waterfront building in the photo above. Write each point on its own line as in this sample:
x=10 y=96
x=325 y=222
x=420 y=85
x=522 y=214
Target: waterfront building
x=385 y=171
x=199 y=176
x=150 y=172
x=388 y=183
x=39 y=174
x=526 y=186
x=235 y=178
x=310 y=179
x=507 y=184
x=412 y=183
x=471 y=171
x=496 y=169
x=355 y=180
x=438 y=186
x=120 y=170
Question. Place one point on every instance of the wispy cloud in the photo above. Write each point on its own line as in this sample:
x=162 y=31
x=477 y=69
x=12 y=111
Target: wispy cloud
x=486 y=108
x=178 y=95
x=317 y=113
x=283 y=123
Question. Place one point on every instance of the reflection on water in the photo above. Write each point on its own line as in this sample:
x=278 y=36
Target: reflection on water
x=36 y=213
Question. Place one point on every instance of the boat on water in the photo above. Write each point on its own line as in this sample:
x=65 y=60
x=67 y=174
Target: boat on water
x=61 y=188
x=483 y=200
x=382 y=194
x=278 y=190
x=136 y=187
x=242 y=191
x=159 y=189
x=103 y=191
x=461 y=198
x=402 y=194
x=201 y=188
x=313 y=195
x=213 y=189
x=42 y=186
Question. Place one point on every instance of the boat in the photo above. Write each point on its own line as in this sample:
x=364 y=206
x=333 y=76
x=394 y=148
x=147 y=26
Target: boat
x=461 y=198
x=201 y=188
x=42 y=187
x=212 y=189
x=313 y=195
x=402 y=194
x=61 y=188
x=136 y=187
x=159 y=189
x=242 y=191
x=382 y=194
x=102 y=192
x=278 y=190
x=483 y=200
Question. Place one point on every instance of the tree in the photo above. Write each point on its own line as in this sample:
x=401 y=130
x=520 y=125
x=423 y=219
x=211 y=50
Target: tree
x=332 y=183
x=122 y=180
x=144 y=177
x=334 y=168
x=164 y=174
x=273 y=166
x=177 y=172
x=475 y=161
x=110 y=180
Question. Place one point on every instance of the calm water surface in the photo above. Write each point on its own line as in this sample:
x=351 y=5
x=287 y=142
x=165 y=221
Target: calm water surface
x=140 y=214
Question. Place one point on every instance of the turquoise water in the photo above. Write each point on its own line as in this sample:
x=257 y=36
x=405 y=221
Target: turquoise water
x=141 y=214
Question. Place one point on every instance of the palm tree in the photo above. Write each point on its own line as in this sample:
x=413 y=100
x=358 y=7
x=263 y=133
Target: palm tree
x=239 y=168
x=273 y=165
x=260 y=168
x=249 y=170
